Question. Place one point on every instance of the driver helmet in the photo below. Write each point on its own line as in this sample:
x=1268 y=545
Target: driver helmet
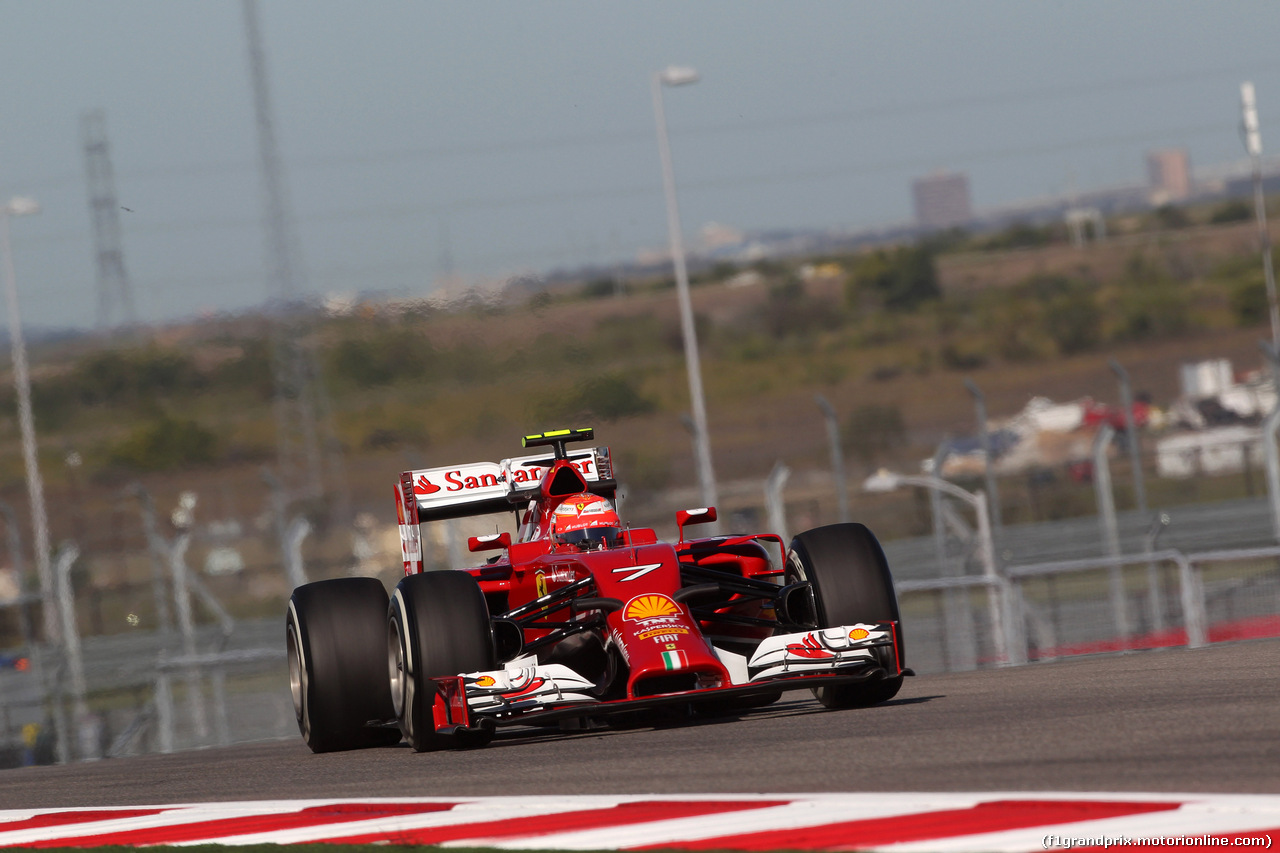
x=586 y=522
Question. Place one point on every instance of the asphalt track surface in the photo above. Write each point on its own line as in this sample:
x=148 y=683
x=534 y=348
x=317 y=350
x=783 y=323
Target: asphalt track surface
x=1179 y=720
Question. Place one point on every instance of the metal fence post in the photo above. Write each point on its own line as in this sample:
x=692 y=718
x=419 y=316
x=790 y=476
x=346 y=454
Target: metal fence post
x=1131 y=430
x=299 y=528
x=989 y=466
x=837 y=457
x=986 y=550
x=775 y=507
x=1014 y=619
x=453 y=544
x=1155 y=604
x=1272 y=456
x=159 y=551
x=182 y=595
x=1102 y=490
x=164 y=710
x=1110 y=529
x=15 y=560
x=935 y=505
x=1193 y=612
x=66 y=557
x=962 y=652
x=290 y=534
x=221 y=724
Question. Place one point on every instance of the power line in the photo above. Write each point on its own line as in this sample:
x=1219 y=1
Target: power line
x=642 y=136
x=414 y=211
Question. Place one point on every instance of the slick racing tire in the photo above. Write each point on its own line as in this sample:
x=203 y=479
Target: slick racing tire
x=437 y=625
x=335 y=640
x=851 y=583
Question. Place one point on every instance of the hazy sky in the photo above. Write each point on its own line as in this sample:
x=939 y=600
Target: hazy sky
x=508 y=138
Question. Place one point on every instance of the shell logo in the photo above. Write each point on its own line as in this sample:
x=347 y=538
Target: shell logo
x=485 y=681
x=859 y=634
x=650 y=606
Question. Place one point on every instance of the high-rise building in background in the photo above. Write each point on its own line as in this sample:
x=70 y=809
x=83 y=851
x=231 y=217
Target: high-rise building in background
x=1168 y=175
x=942 y=200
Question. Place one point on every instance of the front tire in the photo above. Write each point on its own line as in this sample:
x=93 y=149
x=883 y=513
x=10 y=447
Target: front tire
x=437 y=625
x=334 y=640
x=851 y=583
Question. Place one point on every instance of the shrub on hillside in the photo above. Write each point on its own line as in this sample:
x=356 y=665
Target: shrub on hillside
x=717 y=272
x=378 y=360
x=1170 y=217
x=873 y=429
x=901 y=279
x=1151 y=304
x=620 y=335
x=127 y=377
x=1019 y=236
x=1242 y=279
x=131 y=376
x=1151 y=313
x=118 y=377
x=1015 y=326
x=166 y=444
x=1071 y=316
x=1233 y=210
x=251 y=371
x=608 y=397
x=962 y=357
x=790 y=312
x=598 y=288
x=644 y=472
x=1249 y=302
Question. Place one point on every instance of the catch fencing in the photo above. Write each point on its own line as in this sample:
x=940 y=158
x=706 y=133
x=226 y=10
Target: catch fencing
x=1133 y=602
x=190 y=684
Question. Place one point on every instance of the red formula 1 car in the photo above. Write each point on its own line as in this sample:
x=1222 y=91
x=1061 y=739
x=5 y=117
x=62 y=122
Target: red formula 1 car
x=580 y=618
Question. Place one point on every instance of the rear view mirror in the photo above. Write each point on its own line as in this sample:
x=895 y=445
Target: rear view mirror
x=704 y=515
x=492 y=542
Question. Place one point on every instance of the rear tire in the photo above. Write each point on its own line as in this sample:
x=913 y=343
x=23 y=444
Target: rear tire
x=334 y=636
x=851 y=583
x=437 y=625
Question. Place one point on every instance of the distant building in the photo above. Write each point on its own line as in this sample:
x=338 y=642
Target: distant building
x=942 y=200
x=1168 y=175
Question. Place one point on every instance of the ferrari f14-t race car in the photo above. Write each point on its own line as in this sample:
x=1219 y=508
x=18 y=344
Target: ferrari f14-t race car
x=579 y=619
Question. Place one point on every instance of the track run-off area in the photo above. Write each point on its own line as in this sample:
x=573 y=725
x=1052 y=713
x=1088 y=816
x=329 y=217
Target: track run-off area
x=1169 y=743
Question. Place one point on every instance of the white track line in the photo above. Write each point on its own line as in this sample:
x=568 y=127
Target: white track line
x=798 y=814
x=1198 y=814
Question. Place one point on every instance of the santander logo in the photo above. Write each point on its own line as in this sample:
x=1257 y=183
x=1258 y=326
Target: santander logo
x=445 y=486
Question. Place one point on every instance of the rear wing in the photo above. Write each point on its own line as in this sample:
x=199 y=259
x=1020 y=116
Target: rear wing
x=483 y=488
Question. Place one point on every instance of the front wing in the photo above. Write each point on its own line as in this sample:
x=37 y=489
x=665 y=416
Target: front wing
x=525 y=692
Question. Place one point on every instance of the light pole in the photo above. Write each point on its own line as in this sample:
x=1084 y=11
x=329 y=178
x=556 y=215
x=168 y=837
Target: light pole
x=26 y=424
x=676 y=76
x=1002 y=623
x=887 y=481
x=988 y=465
x=1253 y=145
x=1131 y=435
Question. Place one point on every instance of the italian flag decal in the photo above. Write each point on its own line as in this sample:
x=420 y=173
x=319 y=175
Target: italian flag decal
x=675 y=660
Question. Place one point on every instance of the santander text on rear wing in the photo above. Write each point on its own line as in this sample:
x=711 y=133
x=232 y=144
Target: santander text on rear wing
x=480 y=488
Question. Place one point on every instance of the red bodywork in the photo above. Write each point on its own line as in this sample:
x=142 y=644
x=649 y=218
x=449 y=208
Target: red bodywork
x=639 y=596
